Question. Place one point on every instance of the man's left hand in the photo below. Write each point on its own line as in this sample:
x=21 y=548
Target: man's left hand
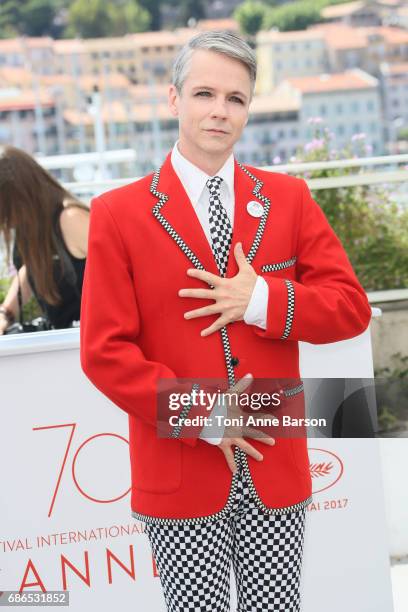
x=231 y=295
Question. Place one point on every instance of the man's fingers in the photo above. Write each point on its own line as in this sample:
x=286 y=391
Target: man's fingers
x=201 y=312
x=239 y=255
x=242 y=384
x=229 y=455
x=203 y=275
x=218 y=324
x=206 y=294
x=249 y=449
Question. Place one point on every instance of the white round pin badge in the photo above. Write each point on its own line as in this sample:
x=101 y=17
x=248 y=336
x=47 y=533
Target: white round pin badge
x=255 y=208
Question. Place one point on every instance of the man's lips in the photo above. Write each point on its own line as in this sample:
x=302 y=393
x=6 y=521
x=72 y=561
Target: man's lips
x=216 y=130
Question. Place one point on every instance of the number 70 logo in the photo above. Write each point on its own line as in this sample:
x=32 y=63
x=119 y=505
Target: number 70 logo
x=66 y=459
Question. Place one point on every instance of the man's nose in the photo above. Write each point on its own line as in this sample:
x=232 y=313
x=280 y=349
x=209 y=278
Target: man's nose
x=219 y=108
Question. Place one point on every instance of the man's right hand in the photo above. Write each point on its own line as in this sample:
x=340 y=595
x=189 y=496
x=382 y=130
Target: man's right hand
x=233 y=435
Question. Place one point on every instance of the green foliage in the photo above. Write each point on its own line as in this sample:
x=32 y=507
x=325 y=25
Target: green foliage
x=9 y=18
x=37 y=17
x=31 y=17
x=372 y=228
x=153 y=8
x=403 y=134
x=391 y=395
x=101 y=18
x=250 y=16
x=294 y=16
x=131 y=17
x=31 y=309
x=86 y=18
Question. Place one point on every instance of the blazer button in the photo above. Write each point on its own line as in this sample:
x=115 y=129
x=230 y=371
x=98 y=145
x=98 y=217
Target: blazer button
x=234 y=361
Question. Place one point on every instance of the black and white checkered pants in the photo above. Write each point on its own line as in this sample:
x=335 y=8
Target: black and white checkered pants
x=194 y=560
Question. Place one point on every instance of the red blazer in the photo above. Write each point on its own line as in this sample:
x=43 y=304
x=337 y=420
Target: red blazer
x=143 y=237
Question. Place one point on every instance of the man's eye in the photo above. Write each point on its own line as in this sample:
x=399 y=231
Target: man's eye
x=200 y=93
x=237 y=99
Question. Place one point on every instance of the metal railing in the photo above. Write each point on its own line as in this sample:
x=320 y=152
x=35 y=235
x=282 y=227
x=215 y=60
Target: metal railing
x=396 y=175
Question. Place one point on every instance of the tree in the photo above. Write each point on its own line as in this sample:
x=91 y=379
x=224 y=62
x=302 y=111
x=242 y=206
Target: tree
x=153 y=8
x=250 y=16
x=37 y=17
x=130 y=17
x=295 y=16
x=100 y=18
x=9 y=16
x=88 y=19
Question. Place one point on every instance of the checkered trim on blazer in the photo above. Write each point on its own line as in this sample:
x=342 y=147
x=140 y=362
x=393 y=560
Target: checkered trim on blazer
x=281 y=265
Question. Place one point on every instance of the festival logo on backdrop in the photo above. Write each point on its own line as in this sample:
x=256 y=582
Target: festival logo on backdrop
x=326 y=469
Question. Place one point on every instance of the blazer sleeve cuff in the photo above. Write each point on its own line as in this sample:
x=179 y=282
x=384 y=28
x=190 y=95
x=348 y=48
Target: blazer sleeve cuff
x=280 y=310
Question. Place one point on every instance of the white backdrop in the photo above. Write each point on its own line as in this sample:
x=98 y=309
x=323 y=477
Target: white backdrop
x=65 y=501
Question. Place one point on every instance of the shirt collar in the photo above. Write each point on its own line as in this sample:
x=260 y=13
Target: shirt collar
x=194 y=180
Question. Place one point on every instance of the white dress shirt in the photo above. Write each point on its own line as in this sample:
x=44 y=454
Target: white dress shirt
x=194 y=182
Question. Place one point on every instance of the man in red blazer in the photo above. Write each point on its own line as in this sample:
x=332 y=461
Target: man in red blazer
x=209 y=269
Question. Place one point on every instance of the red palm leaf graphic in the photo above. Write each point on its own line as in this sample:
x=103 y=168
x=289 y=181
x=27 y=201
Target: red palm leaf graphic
x=317 y=470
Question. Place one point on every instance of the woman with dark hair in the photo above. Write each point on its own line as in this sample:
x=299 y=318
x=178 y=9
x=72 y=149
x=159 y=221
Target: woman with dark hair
x=50 y=230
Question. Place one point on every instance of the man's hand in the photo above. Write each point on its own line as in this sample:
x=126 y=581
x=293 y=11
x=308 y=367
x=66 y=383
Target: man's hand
x=231 y=295
x=233 y=435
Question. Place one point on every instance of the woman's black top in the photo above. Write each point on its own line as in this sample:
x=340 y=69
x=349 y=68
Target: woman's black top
x=69 y=284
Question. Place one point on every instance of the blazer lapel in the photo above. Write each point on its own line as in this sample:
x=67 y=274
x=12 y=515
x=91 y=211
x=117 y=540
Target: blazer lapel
x=176 y=214
x=247 y=228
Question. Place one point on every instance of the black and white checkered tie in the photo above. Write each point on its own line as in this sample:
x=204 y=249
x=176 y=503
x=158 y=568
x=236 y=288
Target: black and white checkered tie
x=220 y=226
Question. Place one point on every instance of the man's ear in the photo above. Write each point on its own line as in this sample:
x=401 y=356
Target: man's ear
x=173 y=100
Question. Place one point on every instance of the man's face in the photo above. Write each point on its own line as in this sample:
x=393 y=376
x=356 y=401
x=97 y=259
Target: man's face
x=213 y=105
